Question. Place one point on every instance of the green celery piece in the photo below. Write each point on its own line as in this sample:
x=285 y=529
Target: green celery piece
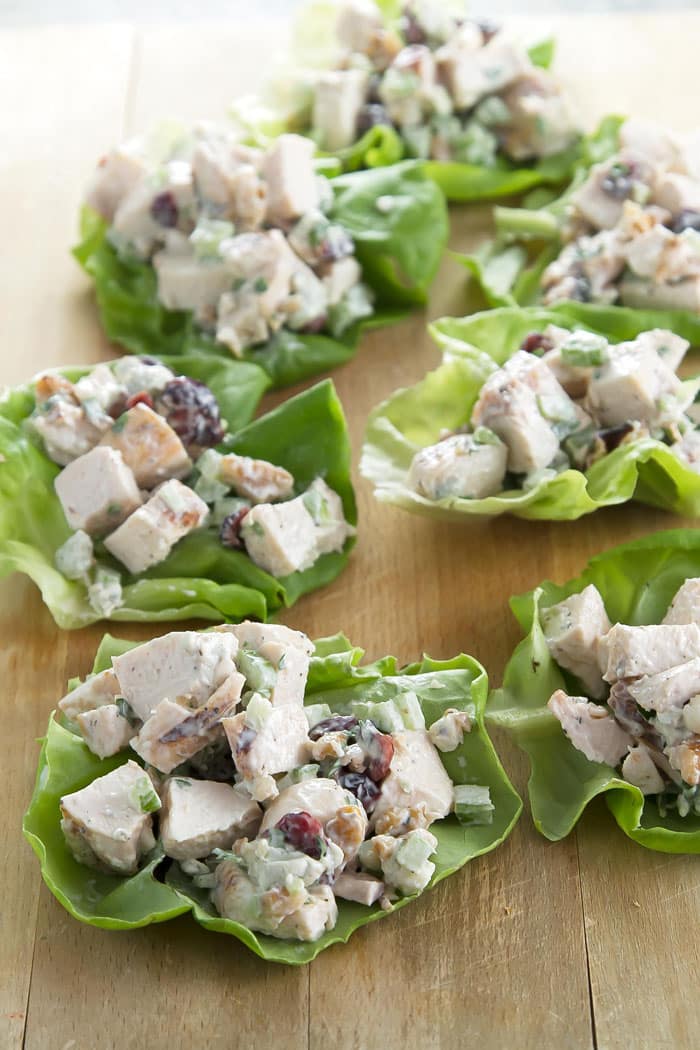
x=111 y=902
x=637 y=582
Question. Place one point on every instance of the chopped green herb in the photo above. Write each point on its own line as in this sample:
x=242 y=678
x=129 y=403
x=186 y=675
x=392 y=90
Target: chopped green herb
x=260 y=285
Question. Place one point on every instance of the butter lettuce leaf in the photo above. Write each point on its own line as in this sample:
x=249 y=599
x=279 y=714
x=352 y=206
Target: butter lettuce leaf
x=200 y=579
x=645 y=470
x=508 y=268
x=399 y=248
x=161 y=891
x=637 y=582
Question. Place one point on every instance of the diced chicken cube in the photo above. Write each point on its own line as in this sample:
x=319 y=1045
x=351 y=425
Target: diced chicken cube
x=671 y=348
x=413 y=68
x=630 y=652
x=685 y=607
x=255 y=479
x=290 y=668
x=116 y=176
x=598 y=199
x=459 y=69
x=667 y=690
x=97 y=690
x=255 y=635
x=188 y=283
x=677 y=193
x=225 y=176
x=106 y=730
x=291 y=180
x=200 y=816
x=97 y=491
x=357 y=25
x=149 y=534
x=359 y=887
x=66 y=430
x=265 y=264
x=149 y=446
x=512 y=402
x=650 y=140
x=173 y=734
x=541 y=122
x=640 y=769
x=591 y=728
x=417 y=790
x=280 y=537
x=184 y=666
x=339 y=96
x=108 y=824
x=573 y=629
x=146 y=213
x=459 y=466
x=634 y=384
x=326 y=509
x=279 y=745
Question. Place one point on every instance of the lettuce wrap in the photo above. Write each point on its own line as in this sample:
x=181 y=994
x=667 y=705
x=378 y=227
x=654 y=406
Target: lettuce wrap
x=336 y=677
x=399 y=249
x=637 y=581
x=285 y=108
x=200 y=578
x=508 y=268
x=412 y=418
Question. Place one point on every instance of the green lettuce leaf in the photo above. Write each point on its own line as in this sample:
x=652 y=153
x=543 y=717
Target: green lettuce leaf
x=200 y=579
x=637 y=582
x=335 y=678
x=314 y=47
x=644 y=470
x=399 y=250
x=508 y=268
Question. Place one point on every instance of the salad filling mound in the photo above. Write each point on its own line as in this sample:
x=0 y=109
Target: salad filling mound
x=632 y=229
x=272 y=808
x=563 y=401
x=236 y=235
x=140 y=472
x=644 y=719
x=453 y=88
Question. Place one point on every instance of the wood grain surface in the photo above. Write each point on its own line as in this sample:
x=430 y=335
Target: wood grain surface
x=590 y=942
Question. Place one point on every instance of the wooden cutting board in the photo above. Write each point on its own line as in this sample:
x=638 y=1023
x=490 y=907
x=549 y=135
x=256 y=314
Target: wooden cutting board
x=591 y=942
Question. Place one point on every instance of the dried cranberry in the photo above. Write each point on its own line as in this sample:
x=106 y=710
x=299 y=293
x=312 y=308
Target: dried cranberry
x=687 y=220
x=378 y=748
x=536 y=343
x=362 y=787
x=370 y=116
x=230 y=530
x=618 y=182
x=164 y=209
x=612 y=437
x=303 y=832
x=192 y=411
x=142 y=398
x=334 y=724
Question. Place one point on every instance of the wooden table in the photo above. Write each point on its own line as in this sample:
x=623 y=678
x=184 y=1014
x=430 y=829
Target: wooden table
x=593 y=941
